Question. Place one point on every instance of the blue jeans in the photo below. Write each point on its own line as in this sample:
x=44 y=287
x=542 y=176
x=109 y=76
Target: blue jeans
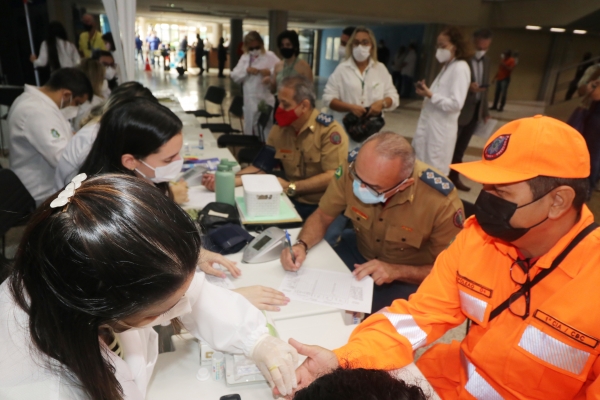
x=501 y=90
x=383 y=295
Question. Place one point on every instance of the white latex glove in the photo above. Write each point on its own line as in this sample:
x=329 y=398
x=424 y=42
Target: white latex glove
x=277 y=361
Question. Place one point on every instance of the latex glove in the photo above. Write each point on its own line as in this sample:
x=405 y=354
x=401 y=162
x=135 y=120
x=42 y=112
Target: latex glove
x=180 y=191
x=208 y=258
x=263 y=298
x=277 y=361
x=208 y=180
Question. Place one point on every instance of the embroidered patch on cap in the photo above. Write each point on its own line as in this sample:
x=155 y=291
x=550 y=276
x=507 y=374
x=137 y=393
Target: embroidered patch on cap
x=496 y=148
x=335 y=138
x=459 y=218
x=55 y=133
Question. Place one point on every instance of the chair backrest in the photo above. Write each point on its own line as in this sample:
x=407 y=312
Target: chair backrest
x=9 y=93
x=15 y=203
x=215 y=95
x=237 y=107
x=263 y=119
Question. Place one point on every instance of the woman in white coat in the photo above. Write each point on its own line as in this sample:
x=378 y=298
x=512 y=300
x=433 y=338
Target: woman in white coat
x=56 y=50
x=98 y=266
x=436 y=132
x=253 y=72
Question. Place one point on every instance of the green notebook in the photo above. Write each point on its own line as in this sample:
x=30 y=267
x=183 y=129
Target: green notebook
x=287 y=213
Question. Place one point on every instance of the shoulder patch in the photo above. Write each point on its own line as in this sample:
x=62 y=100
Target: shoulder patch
x=459 y=218
x=338 y=172
x=352 y=155
x=54 y=133
x=437 y=181
x=335 y=138
x=325 y=119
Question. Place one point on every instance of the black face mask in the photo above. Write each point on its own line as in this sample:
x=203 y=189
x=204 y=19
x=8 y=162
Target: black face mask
x=88 y=27
x=493 y=214
x=286 y=52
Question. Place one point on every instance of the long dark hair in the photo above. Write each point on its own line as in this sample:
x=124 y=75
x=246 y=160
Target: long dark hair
x=138 y=127
x=117 y=248
x=55 y=31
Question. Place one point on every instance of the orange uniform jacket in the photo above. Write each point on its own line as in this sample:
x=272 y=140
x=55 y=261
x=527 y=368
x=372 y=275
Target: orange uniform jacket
x=553 y=354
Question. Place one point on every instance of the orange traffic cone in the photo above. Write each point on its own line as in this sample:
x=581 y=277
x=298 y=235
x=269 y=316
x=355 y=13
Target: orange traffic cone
x=147 y=67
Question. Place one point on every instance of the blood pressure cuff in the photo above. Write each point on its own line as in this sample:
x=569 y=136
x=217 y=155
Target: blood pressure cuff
x=216 y=214
x=265 y=159
x=229 y=238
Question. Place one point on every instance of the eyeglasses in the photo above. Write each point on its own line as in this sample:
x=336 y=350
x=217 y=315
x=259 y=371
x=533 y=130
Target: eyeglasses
x=518 y=302
x=365 y=42
x=370 y=188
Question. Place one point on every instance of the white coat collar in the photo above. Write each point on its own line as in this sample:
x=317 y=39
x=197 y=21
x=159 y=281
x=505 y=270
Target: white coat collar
x=350 y=63
x=35 y=91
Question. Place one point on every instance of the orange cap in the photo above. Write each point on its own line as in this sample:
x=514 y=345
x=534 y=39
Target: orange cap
x=529 y=147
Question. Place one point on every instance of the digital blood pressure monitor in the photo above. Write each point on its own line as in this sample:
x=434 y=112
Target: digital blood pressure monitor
x=265 y=247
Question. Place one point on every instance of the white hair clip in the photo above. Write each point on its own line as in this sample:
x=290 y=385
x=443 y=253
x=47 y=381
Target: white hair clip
x=65 y=195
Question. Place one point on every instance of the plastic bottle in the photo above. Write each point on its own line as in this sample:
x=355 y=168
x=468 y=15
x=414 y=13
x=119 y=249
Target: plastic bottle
x=201 y=142
x=225 y=184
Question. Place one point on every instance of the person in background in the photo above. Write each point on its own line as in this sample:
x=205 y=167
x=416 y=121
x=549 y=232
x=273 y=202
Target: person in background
x=397 y=69
x=344 y=37
x=96 y=270
x=95 y=72
x=91 y=38
x=139 y=53
x=591 y=125
x=153 y=45
x=39 y=131
x=109 y=42
x=475 y=109
x=222 y=55
x=291 y=65
x=360 y=82
x=581 y=68
x=183 y=46
x=56 y=51
x=200 y=53
x=407 y=72
x=403 y=212
x=111 y=71
x=438 y=123
x=383 y=53
x=502 y=79
x=251 y=70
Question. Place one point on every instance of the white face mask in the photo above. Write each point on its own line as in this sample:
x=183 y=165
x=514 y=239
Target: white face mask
x=254 y=53
x=165 y=173
x=109 y=73
x=69 y=112
x=342 y=52
x=361 y=53
x=443 y=55
x=480 y=53
x=181 y=308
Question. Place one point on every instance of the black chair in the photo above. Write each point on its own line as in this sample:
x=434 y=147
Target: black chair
x=247 y=140
x=8 y=95
x=16 y=204
x=215 y=95
x=237 y=110
x=249 y=152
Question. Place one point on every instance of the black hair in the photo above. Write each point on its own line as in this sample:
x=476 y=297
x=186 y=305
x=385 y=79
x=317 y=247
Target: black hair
x=541 y=185
x=96 y=54
x=133 y=89
x=483 y=33
x=138 y=127
x=292 y=36
x=348 y=30
x=508 y=53
x=55 y=31
x=72 y=79
x=118 y=247
x=359 y=384
x=108 y=37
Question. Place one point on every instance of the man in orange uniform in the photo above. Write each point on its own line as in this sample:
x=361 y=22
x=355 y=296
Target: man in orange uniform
x=525 y=270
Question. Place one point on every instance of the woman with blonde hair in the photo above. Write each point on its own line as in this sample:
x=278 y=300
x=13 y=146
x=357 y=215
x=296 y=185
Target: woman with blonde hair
x=253 y=72
x=94 y=71
x=360 y=82
x=437 y=128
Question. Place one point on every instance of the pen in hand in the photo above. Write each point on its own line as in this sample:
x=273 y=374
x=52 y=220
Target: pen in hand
x=289 y=241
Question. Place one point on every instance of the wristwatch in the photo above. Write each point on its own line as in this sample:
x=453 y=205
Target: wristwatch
x=291 y=189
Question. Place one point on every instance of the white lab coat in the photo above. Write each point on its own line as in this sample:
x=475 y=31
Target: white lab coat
x=38 y=134
x=74 y=155
x=84 y=110
x=68 y=56
x=349 y=85
x=255 y=90
x=224 y=319
x=435 y=137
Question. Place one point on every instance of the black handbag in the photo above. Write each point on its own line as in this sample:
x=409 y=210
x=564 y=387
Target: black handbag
x=217 y=214
x=360 y=128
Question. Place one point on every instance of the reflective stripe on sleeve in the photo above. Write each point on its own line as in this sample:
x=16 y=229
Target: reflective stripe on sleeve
x=406 y=326
x=476 y=385
x=472 y=306
x=553 y=351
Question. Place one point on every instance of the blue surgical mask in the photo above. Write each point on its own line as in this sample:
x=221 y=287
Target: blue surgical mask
x=365 y=195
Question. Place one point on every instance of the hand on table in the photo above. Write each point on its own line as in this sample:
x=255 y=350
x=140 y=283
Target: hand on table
x=208 y=180
x=277 y=361
x=380 y=271
x=263 y=298
x=319 y=361
x=284 y=184
x=286 y=258
x=208 y=258
x=180 y=191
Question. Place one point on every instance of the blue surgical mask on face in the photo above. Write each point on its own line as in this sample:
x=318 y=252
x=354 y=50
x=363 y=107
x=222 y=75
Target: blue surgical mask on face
x=365 y=195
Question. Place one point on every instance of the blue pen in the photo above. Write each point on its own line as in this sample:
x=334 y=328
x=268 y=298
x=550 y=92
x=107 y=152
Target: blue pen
x=289 y=240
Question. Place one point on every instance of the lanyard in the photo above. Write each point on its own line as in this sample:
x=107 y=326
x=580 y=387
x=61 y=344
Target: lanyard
x=362 y=81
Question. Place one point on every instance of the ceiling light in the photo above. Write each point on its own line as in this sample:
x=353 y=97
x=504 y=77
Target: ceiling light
x=533 y=27
x=579 y=32
x=557 y=29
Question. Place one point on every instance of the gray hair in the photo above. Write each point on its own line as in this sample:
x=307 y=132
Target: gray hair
x=393 y=145
x=302 y=87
